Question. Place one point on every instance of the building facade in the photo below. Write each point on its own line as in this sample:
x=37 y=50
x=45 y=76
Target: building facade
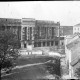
x=11 y=24
x=31 y=32
x=76 y=28
x=39 y=33
x=66 y=30
x=72 y=53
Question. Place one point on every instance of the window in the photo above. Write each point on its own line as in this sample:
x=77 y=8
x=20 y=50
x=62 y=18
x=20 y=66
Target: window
x=56 y=43
x=43 y=43
x=24 y=45
x=62 y=43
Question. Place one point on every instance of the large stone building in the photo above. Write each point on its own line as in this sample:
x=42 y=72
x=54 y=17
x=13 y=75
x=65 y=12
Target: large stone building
x=39 y=33
x=31 y=32
x=11 y=24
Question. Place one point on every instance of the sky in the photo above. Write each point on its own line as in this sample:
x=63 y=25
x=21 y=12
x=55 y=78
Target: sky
x=65 y=12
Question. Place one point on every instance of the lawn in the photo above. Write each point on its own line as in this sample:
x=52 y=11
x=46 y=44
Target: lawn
x=31 y=72
x=31 y=59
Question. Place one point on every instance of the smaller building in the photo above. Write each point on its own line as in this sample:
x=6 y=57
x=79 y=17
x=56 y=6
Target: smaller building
x=66 y=30
x=72 y=49
x=76 y=28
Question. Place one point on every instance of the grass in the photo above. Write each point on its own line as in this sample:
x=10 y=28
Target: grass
x=29 y=72
x=31 y=59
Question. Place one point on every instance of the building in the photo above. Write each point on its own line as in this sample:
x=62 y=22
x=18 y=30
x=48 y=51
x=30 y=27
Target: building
x=66 y=30
x=72 y=53
x=76 y=28
x=31 y=32
x=11 y=24
x=39 y=33
x=65 y=33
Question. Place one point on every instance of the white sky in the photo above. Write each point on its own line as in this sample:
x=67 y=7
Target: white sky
x=66 y=12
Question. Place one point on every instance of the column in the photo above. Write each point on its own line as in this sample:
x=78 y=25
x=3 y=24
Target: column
x=32 y=33
x=50 y=43
x=41 y=44
x=22 y=45
x=54 y=43
x=46 y=32
x=32 y=43
x=45 y=43
x=36 y=44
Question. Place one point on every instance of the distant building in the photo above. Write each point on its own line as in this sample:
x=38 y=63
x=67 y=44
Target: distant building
x=76 y=28
x=66 y=30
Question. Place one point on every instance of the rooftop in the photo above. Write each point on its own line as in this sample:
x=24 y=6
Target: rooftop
x=77 y=24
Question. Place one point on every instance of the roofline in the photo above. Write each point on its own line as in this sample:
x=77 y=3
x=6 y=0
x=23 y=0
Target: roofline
x=11 y=18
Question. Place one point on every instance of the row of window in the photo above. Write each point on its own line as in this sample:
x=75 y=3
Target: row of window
x=76 y=28
x=38 y=44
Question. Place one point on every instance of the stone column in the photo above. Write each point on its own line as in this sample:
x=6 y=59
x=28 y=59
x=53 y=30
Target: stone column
x=41 y=44
x=45 y=43
x=32 y=44
x=36 y=44
x=22 y=45
x=50 y=43
x=46 y=32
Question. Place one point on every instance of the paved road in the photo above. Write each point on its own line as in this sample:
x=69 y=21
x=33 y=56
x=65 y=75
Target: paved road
x=33 y=72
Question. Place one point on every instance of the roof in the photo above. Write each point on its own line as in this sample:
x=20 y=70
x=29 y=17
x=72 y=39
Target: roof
x=73 y=44
x=75 y=61
x=47 y=23
x=77 y=25
x=75 y=50
x=10 y=21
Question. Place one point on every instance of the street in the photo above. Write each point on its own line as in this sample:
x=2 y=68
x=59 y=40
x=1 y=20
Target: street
x=32 y=72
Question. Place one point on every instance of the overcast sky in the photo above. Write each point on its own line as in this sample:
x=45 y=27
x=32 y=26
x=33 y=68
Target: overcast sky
x=66 y=12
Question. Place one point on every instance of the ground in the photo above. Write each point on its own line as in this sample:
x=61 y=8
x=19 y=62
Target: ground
x=33 y=72
x=30 y=72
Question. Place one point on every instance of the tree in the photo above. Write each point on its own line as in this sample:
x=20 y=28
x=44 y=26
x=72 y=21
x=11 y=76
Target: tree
x=54 y=67
x=9 y=45
x=77 y=72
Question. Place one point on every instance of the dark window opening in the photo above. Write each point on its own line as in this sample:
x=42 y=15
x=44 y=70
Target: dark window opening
x=52 y=43
x=3 y=28
x=43 y=43
x=62 y=43
x=35 y=44
x=39 y=44
x=56 y=43
x=8 y=27
x=48 y=43
x=24 y=45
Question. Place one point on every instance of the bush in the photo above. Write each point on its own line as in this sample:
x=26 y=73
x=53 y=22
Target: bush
x=8 y=48
x=54 y=67
x=77 y=72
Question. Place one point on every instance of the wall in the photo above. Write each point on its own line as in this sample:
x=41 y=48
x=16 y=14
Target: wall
x=66 y=30
x=76 y=29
